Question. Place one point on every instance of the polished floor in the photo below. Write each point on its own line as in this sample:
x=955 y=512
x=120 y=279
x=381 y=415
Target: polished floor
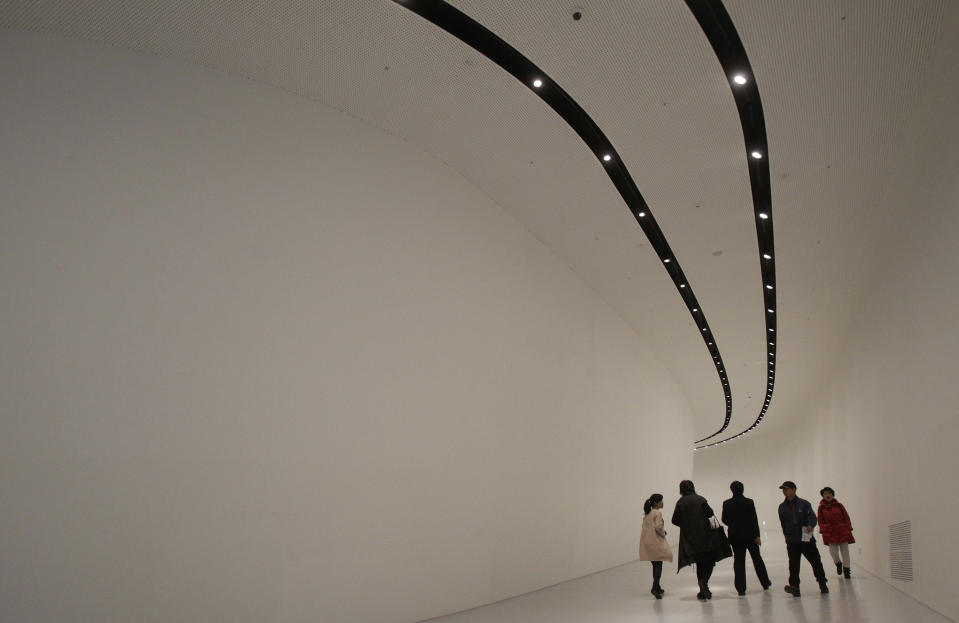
x=621 y=595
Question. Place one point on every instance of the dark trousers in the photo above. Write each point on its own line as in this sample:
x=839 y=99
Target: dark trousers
x=657 y=573
x=739 y=565
x=704 y=570
x=808 y=549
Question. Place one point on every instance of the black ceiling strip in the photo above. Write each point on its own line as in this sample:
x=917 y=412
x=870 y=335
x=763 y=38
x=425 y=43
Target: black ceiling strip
x=721 y=32
x=474 y=34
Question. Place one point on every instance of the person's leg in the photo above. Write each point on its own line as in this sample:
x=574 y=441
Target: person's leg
x=795 y=553
x=758 y=565
x=834 y=552
x=704 y=569
x=708 y=570
x=739 y=568
x=846 y=562
x=657 y=574
x=811 y=552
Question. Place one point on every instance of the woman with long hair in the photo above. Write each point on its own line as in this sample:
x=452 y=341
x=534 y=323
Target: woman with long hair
x=692 y=515
x=652 y=543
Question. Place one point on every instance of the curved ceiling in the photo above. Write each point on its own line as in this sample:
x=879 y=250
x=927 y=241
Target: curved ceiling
x=837 y=85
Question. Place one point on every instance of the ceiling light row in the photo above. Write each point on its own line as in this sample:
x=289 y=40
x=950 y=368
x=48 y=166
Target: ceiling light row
x=720 y=30
x=460 y=25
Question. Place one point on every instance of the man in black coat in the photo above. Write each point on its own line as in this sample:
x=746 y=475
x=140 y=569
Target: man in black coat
x=692 y=515
x=739 y=513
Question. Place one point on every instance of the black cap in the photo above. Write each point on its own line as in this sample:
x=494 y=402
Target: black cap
x=789 y=484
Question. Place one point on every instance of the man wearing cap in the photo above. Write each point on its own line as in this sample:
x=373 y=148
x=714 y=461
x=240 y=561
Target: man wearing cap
x=798 y=520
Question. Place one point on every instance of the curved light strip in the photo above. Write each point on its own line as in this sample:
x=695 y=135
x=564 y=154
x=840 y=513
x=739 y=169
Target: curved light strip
x=484 y=41
x=721 y=32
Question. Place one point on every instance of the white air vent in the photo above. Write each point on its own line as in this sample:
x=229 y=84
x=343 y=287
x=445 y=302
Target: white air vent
x=900 y=551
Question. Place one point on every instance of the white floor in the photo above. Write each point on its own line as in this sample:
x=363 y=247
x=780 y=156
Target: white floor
x=622 y=595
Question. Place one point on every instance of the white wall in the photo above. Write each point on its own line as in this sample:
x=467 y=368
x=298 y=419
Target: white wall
x=262 y=362
x=883 y=429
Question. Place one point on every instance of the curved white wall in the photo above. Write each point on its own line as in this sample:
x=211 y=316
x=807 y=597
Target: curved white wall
x=882 y=428
x=262 y=362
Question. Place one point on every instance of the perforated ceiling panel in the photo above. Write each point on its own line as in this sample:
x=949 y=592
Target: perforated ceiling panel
x=837 y=79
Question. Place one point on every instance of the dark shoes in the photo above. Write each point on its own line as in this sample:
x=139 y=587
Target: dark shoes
x=792 y=590
x=846 y=572
x=741 y=593
x=704 y=593
x=839 y=568
x=823 y=588
x=657 y=592
x=767 y=585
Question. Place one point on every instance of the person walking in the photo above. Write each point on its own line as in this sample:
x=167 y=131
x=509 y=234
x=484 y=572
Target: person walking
x=652 y=542
x=739 y=513
x=836 y=530
x=799 y=522
x=692 y=515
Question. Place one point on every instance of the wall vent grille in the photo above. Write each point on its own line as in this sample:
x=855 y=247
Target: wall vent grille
x=900 y=551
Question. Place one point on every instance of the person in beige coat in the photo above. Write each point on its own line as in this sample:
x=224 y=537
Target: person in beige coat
x=652 y=542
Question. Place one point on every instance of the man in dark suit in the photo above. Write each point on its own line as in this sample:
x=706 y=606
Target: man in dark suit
x=739 y=513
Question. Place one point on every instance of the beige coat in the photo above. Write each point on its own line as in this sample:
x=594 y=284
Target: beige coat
x=652 y=542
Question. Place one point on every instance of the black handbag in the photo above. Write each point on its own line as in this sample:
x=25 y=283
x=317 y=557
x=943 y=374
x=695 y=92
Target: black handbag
x=717 y=539
x=720 y=543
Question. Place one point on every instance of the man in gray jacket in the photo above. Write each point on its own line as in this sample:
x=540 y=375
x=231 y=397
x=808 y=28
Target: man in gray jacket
x=798 y=520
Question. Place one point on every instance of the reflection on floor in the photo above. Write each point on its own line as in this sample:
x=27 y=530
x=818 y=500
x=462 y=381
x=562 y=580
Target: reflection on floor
x=622 y=594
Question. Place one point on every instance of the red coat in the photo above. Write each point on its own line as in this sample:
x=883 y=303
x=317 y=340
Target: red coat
x=834 y=523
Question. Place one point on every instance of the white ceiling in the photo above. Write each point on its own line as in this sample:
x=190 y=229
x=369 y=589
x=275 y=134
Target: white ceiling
x=838 y=80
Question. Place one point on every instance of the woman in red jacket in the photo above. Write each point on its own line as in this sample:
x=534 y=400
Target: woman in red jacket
x=836 y=529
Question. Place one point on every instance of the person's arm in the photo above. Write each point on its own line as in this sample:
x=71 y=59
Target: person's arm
x=676 y=516
x=811 y=522
x=709 y=512
x=820 y=516
x=726 y=512
x=846 y=515
x=660 y=525
x=755 y=521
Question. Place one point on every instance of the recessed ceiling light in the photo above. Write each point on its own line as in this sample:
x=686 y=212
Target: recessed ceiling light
x=763 y=215
x=767 y=256
x=695 y=309
x=704 y=328
x=682 y=285
x=771 y=354
x=757 y=155
x=642 y=214
x=772 y=343
x=770 y=310
x=607 y=158
x=666 y=260
x=772 y=329
x=739 y=79
x=769 y=287
x=537 y=83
